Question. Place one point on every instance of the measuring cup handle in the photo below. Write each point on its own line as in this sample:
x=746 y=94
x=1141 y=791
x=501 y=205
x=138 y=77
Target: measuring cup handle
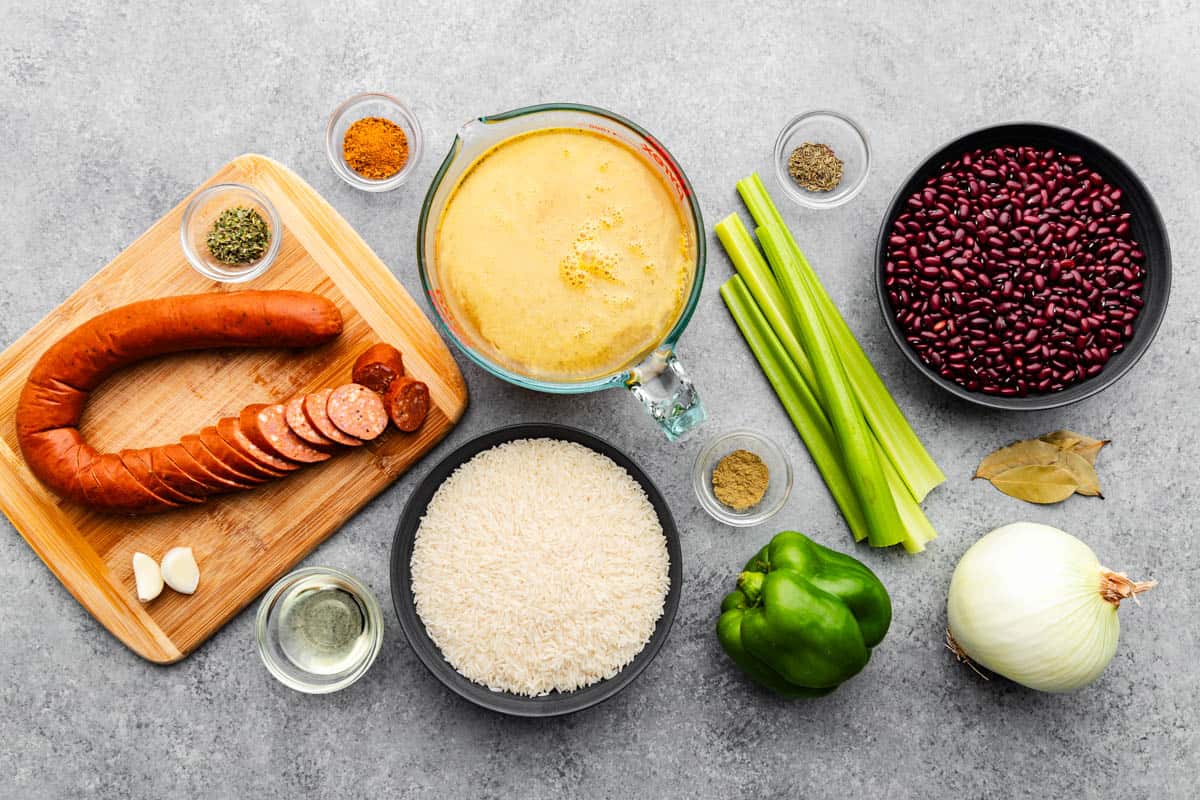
x=663 y=387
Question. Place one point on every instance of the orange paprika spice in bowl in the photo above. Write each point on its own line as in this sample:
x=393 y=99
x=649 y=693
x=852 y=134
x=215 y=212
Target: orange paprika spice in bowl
x=375 y=148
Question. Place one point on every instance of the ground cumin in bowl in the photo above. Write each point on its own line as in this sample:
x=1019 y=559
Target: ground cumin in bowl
x=742 y=478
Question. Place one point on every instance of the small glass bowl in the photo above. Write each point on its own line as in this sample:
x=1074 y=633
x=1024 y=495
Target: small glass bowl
x=844 y=137
x=779 y=484
x=198 y=219
x=372 y=104
x=267 y=630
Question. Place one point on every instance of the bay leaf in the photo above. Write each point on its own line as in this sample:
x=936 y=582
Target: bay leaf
x=1037 y=483
x=1063 y=439
x=1083 y=472
x=1085 y=446
x=1090 y=449
x=1018 y=454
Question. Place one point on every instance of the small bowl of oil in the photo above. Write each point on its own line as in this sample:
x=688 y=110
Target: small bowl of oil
x=318 y=630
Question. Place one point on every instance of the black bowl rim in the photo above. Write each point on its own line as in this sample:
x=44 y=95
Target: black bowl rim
x=428 y=653
x=1152 y=314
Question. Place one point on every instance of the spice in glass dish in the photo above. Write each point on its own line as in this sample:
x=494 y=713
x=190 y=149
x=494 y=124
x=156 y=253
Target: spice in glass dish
x=239 y=235
x=815 y=167
x=375 y=148
x=740 y=480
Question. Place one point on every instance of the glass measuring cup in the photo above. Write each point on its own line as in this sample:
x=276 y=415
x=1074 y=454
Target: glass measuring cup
x=659 y=381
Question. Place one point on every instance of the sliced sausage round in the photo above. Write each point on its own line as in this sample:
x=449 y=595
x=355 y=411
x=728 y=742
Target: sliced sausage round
x=378 y=366
x=267 y=427
x=407 y=403
x=116 y=489
x=357 y=411
x=138 y=462
x=139 y=468
x=190 y=478
x=315 y=406
x=89 y=486
x=182 y=458
x=232 y=432
x=298 y=422
x=227 y=454
x=199 y=450
x=170 y=474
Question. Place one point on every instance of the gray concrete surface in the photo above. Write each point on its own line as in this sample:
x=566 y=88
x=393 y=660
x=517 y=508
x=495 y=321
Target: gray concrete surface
x=111 y=112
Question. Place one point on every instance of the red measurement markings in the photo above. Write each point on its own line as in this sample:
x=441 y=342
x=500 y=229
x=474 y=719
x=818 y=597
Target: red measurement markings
x=439 y=302
x=658 y=154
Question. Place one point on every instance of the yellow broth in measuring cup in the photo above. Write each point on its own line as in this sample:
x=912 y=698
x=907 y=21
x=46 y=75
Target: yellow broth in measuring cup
x=565 y=254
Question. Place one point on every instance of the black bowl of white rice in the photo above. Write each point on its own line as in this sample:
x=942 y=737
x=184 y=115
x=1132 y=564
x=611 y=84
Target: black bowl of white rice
x=536 y=570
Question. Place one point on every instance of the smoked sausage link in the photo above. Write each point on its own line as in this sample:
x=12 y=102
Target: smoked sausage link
x=63 y=379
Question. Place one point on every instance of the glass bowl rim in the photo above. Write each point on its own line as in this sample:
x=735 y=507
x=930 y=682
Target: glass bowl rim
x=416 y=143
x=789 y=185
x=703 y=487
x=267 y=605
x=198 y=263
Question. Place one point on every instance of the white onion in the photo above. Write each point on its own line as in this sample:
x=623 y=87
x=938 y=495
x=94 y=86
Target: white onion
x=1032 y=603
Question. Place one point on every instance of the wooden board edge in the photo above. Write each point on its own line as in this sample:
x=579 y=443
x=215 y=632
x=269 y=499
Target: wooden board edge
x=81 y=572
x=359 y=269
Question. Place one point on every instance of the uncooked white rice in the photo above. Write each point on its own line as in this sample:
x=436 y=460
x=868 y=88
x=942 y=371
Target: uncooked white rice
x=540 y=565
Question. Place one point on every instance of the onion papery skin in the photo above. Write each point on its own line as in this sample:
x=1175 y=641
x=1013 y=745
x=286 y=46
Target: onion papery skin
x=1025 y=603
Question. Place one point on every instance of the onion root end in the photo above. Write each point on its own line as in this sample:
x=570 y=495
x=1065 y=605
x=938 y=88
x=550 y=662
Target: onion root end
x=961 y=655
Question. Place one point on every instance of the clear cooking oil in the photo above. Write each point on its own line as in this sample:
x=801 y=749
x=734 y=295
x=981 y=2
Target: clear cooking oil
x=323 y=628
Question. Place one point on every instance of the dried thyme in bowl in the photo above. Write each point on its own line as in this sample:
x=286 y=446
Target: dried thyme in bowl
x=239 y=236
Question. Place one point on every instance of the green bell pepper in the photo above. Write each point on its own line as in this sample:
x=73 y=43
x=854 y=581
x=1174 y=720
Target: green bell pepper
x=803 y=618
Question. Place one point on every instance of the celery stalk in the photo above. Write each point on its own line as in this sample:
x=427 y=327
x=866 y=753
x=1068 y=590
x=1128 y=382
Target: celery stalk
x=841 y=406
x=754 y=272
x=810 y=421
x=749 y=263
x=917 y=528
x=899 y=441
x=797 y=400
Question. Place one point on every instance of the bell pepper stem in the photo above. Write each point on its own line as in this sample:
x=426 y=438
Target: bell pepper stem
x=751 y=584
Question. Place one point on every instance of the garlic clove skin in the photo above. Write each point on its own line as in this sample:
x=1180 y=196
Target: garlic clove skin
x=180 y=571
x=147 y=576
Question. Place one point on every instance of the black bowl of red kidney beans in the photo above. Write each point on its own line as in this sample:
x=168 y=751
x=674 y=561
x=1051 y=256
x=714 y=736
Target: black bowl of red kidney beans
x=1023 y=266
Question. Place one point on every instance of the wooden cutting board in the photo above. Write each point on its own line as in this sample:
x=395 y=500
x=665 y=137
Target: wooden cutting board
x=245 y=541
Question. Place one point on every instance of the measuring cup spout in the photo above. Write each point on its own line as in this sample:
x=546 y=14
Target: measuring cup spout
x=470 y=129
x=663 y=387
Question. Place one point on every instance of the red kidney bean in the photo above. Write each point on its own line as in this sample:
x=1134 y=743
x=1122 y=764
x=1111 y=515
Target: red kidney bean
x=1014 y=271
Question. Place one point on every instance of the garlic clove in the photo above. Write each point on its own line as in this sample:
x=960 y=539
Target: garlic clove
x=147 y=576
x=180 y=571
